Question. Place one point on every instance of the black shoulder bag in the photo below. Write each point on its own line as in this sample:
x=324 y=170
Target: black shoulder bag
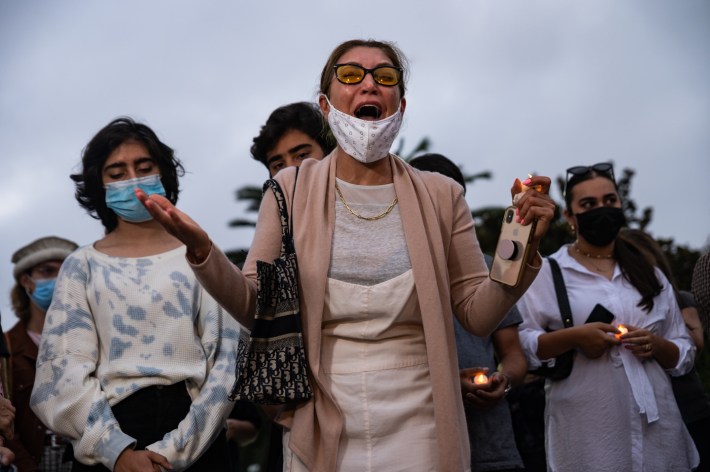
x=271 y=359
x=563 y=362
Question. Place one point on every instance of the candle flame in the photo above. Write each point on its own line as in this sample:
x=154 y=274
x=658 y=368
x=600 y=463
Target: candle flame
x=480 y=379
x=534 y=187
x=622 y=330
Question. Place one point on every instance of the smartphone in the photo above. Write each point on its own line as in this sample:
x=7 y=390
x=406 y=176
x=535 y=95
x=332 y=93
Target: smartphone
x=601 y=314
x=511 y=250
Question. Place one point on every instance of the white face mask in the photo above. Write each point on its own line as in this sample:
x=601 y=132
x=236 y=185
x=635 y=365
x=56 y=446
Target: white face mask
x=366 y=141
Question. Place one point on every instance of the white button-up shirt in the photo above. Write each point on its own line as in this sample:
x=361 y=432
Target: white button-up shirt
x=615 y=412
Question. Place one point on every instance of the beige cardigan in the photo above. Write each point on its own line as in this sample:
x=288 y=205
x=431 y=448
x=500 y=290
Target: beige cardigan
x=449 y=271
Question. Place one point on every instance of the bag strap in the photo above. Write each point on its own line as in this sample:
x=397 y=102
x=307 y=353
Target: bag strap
x=561 y=292
x=287 y=246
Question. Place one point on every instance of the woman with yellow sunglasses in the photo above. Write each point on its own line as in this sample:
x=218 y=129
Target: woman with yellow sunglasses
x=385 y=251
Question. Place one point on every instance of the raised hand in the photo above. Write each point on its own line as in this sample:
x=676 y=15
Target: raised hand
x=178 y=224
x=534 y=204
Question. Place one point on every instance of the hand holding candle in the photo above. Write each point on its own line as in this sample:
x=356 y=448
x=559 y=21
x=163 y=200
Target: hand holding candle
x=474 y=378
x=521 y=185
x=482 y=389
x=622 y=330
x=480 y=379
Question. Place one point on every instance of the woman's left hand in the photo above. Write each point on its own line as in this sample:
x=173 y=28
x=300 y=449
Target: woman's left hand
x=640 y=341
x=534 y=204
x=178 y=224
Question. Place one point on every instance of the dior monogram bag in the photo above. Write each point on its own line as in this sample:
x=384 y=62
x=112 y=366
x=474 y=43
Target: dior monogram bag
x=271 y=360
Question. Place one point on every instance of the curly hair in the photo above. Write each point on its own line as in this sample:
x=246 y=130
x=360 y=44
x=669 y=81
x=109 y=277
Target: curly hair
x=90 y=191
x=20 y=302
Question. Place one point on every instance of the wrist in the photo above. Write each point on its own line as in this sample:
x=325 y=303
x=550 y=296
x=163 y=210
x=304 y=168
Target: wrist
x=198 y=255
x=508 y=383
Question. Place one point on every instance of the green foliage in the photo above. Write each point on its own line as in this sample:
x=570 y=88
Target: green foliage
x=421 y=147
x=252 y=195
x=682 y=260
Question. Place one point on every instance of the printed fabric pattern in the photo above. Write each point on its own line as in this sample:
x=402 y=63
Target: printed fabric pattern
x=271 y=361
x=117 y=325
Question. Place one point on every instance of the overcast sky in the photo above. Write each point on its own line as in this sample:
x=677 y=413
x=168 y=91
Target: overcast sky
x=501 y=85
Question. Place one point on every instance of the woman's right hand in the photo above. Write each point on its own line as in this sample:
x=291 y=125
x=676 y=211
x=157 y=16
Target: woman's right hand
x=594 y=338
x=178 y=224
x=140 y=461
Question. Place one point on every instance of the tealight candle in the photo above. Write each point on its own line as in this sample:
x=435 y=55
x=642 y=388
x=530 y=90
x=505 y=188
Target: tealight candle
x=622 y=330
x=480 y=379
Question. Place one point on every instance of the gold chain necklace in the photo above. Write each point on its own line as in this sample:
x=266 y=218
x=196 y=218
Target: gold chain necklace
x=602 y=270
x=592 y=256
x=357 y=215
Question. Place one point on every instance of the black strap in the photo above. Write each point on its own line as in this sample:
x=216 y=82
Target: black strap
x=286 y=222
x=561 y=292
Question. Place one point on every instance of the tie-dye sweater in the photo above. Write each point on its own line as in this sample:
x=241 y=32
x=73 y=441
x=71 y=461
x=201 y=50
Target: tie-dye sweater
x=119 y=324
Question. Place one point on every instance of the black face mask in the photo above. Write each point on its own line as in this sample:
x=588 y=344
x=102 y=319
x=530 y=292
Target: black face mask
x=600 y=226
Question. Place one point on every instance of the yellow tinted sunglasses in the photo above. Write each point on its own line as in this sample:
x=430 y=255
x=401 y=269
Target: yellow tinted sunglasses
x=350 y=74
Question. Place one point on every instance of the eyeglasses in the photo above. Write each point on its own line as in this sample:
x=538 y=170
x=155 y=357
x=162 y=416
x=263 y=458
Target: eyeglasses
x=606 y=168
x=350 y=74
x=45 y=271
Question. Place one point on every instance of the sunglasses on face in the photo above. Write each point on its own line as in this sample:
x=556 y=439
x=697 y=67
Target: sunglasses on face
x=351 y=74
x=605 y=168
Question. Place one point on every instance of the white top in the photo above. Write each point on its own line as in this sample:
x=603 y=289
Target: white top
x=367 y=252
x=614 y=412
x=119 y=324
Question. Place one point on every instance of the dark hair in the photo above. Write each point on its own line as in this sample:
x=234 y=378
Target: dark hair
x=300 y=116
x=20 y=302
x=90 y=191
x=652 y=250
x=393 y=53
x=433 y=162
x=579 y=178
x=636 y=267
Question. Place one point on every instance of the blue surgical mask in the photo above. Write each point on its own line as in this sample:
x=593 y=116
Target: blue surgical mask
x=42 y=296
x=121 y=198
